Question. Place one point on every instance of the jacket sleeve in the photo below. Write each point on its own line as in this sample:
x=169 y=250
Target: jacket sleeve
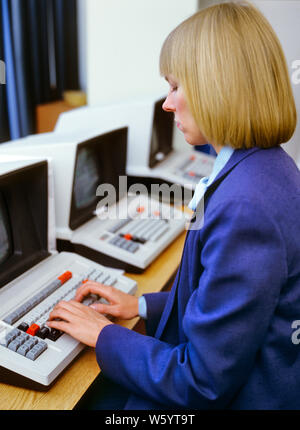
x=155 y=303
x=225 y=321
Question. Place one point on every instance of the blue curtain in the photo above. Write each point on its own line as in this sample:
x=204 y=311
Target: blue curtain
x=36 y=37
x=65 y=32
x=4 y=124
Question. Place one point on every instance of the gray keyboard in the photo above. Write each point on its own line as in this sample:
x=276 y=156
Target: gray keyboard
x=31 y=353
x=31 y=317
x=132 y=233
x=194 y=169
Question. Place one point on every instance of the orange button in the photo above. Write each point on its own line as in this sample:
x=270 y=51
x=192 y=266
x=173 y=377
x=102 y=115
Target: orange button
x=127 y=236
x=65 y=277
x=140 y=209
x=192 y=173
x=33 y=329
x=193 y=157
x=156 y=213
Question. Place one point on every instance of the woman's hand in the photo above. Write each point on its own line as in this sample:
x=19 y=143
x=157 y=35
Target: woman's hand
x=121 y=305
x=79 y=321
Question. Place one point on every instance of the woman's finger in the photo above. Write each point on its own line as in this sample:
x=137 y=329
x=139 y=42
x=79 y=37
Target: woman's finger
x=91 y=287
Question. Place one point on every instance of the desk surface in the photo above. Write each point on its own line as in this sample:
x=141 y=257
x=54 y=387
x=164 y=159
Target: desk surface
x=77 y=378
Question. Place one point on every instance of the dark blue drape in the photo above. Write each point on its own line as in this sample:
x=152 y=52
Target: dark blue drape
x=4 y=124
x=26 y=27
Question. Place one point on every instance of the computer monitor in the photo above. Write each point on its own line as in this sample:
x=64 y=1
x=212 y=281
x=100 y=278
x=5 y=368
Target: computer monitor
x=161 y=143
x=80 y=162
x=5 y=233
x=86 y=179
x=23 y=202
x=100 y=160
x=151 y=129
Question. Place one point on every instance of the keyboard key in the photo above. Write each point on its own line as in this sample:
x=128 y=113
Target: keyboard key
x=103 y=278
x=87 y=301
x=43 y=332
x=38 y=298
x=158 y=234
x=133 y=247
x=31 y=342
x=111 y=280
x=54 y=334
x=23 y=337
x=65 y=277
x=11 y=318
x=14 y=333
x=10 y=337
x=14 y=345
x=23 y=349
x=33 y=329
x=119 y=225
x=23 y=327
x=37 y=350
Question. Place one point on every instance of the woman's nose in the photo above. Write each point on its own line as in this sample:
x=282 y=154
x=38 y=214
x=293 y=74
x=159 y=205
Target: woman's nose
x=168 y=106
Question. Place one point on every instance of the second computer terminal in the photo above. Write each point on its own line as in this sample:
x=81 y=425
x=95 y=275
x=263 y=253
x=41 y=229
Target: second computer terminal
x=89 y=169
x=156 y=148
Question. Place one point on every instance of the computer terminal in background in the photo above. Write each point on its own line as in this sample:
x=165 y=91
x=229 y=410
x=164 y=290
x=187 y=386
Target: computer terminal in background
x=151 y=150
x=130 y=229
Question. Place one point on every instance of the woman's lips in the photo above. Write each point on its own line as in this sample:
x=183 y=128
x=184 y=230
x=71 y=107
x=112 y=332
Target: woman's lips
x=178 y=125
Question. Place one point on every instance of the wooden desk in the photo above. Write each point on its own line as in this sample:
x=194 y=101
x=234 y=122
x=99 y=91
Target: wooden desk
x=77 y=378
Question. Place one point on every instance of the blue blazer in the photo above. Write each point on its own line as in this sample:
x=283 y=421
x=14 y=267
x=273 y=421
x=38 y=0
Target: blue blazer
x=222 y=337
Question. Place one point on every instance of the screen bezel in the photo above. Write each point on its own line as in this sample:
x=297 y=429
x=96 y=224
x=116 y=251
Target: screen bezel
x=24 y=194
x=5 y=216
x=109 y=165
x=163 y=120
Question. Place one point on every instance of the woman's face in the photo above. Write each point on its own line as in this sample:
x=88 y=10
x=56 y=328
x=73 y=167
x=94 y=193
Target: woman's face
x=175 y=102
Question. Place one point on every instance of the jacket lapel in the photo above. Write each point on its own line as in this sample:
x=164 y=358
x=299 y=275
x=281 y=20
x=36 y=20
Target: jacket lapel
x=237 y=156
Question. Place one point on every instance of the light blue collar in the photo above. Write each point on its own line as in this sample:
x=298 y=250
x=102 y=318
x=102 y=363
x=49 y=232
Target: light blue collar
x=221 y=160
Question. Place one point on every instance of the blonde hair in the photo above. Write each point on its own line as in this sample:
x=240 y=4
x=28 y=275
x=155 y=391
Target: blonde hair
x=234 y=75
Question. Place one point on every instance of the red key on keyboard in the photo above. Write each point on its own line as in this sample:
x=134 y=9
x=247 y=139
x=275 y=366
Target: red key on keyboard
x=33 y=329
x=65 y=277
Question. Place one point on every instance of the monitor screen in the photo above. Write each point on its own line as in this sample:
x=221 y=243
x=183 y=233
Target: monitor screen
x=100 y=160
x=162 y=134
x=87 y=178
x=23 y=219
x=5 y=237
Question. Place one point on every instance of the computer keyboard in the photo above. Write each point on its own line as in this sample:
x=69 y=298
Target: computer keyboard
x=32 y=354
x=195 y=167
x=142 y=229
x=132 y=232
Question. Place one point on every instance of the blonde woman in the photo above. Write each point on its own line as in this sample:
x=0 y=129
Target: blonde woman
x=222 y=337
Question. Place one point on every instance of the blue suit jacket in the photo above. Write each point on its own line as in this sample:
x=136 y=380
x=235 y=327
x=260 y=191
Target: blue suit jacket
x=222 y=337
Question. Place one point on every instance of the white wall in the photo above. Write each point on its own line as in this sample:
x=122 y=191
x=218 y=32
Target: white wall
x=123 y=40
x=284 y=16
x=120 y=41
